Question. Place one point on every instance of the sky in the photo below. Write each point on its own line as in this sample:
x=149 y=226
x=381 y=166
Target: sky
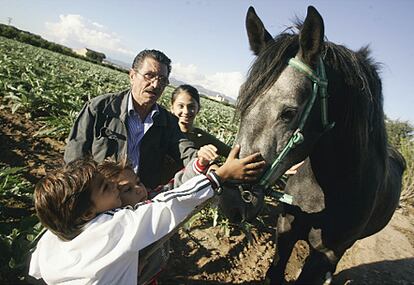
x=207 y=40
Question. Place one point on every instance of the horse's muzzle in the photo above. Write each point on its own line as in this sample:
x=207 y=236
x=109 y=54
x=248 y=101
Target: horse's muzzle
x=241 y=202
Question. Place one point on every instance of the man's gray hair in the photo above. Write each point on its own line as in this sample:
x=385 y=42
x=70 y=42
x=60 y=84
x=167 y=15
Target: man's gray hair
x=152 y=53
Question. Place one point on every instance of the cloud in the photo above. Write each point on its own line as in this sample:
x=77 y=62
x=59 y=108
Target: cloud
x=227 y=83
x=77 y=32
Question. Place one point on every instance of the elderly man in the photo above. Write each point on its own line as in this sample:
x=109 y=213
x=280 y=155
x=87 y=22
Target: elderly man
x=130 y=123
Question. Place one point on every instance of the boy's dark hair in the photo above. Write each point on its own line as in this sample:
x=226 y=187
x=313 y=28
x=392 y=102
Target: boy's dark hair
x=62 y=198
x=192 y=91
x=110 y=168
x=154 y=54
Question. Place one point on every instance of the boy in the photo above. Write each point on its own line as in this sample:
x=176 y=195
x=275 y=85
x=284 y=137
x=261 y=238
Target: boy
x=90 y=241
x=153 y=259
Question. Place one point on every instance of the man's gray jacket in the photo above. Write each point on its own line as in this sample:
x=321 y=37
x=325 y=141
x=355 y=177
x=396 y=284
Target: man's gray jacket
x=100 y=130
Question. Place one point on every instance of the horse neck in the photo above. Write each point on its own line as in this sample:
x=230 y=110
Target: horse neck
x=347 y=154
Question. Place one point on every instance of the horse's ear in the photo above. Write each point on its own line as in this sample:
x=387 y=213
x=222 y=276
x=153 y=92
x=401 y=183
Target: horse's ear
x=259 y=37
x=311 y=36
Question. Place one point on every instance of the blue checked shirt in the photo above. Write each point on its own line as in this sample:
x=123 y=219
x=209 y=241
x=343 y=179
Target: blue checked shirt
x=136 y=131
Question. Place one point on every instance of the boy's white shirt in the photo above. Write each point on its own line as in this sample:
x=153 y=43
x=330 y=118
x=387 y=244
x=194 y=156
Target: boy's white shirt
x=106 y=251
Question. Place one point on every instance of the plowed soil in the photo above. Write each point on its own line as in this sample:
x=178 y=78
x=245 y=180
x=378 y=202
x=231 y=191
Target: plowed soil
x=204 y=254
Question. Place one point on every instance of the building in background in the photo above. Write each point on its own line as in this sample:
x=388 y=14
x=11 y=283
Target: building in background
x=91 y=54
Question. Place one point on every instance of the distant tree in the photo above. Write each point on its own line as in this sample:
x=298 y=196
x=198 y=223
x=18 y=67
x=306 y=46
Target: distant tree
x=8 y=31
x=401 y=136
x=94 y=55
x=399 y=131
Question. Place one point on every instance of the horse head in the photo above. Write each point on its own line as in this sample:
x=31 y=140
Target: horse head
x=275 y=103
x=274 y=98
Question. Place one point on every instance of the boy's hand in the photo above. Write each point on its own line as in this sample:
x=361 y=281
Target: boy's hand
x=206 y=154
x=245 y=169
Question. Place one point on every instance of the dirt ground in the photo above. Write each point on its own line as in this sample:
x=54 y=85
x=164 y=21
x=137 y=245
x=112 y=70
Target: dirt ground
x=206 y=255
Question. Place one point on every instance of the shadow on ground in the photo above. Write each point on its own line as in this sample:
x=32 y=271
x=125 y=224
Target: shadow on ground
x=385 y=272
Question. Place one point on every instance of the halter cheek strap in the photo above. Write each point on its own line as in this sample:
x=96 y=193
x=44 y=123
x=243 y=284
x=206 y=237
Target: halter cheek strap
x=320 y=86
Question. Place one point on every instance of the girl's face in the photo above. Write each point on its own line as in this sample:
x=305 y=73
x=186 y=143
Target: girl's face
x=131 y=189
x=185 y=108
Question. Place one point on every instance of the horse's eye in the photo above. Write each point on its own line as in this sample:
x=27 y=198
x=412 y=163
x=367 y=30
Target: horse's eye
x=288 y=114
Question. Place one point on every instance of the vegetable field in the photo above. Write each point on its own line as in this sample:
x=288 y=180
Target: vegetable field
x=52 y=88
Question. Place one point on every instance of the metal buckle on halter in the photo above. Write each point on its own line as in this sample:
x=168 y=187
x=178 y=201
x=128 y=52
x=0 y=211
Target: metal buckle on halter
x=248 y=197
x=245 y=194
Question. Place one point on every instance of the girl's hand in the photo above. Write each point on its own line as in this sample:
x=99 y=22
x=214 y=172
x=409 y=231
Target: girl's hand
x=207 y=154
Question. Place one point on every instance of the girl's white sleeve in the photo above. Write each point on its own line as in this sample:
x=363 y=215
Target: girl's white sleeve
x=158 y=217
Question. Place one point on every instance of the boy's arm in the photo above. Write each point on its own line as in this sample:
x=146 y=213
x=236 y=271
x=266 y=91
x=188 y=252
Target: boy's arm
x=158 y=218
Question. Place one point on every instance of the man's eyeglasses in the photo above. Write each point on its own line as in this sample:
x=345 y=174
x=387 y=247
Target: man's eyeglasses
x=151 y=77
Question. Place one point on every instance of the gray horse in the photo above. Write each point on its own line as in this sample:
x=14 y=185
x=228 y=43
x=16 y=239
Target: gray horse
x=350 y=183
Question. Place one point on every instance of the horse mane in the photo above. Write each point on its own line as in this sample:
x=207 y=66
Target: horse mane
x=362 y=114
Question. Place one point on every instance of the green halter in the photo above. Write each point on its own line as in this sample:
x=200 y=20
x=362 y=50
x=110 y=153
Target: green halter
x=320 y=84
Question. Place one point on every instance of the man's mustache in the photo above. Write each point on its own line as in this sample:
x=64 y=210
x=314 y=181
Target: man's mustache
x=153 y=90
